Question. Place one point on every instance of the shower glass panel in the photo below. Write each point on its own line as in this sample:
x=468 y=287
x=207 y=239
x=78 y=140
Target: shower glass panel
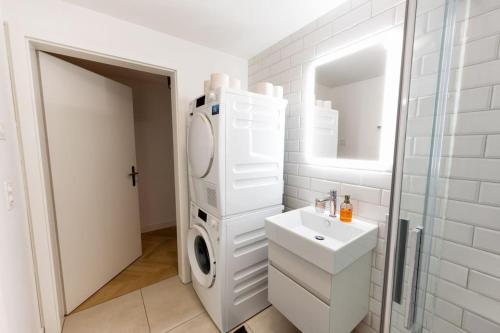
x=444 y=254
x=414 y=217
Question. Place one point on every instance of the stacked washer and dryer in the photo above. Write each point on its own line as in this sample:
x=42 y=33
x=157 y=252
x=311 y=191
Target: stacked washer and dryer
x=235 y=153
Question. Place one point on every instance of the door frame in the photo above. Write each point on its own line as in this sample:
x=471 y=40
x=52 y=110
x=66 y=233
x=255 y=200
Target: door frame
x=40 y=205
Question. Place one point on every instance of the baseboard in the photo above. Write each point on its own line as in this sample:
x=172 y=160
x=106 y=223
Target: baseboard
x=156 y=226
x=363 y=328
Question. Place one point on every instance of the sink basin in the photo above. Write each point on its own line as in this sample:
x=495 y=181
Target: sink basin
x=322 y=240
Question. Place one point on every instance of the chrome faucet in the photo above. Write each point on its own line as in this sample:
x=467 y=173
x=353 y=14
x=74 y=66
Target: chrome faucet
x=333 y=203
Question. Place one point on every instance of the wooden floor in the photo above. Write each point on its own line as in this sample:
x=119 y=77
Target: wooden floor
x=158 y=262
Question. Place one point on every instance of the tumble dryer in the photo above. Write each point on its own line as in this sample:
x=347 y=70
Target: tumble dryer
x=235 y=158
x=235 y=151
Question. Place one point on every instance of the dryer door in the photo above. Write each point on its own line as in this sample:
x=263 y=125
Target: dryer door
x=200 y=145
x=201 y=256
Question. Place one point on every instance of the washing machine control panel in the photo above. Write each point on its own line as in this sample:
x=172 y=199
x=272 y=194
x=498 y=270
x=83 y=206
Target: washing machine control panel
x=201 y=217
x=213 y=223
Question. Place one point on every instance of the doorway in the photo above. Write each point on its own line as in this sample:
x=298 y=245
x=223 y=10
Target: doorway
x=103 y=163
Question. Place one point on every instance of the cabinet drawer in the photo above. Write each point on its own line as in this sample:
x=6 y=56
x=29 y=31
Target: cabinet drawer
x=311 y=277
x=303 y=309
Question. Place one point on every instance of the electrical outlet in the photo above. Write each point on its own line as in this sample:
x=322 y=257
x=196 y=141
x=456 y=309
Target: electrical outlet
x=3 y=136
x=9 y=195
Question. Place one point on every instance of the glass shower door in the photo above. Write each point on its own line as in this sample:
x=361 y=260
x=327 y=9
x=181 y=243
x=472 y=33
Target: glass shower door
x=415 y=207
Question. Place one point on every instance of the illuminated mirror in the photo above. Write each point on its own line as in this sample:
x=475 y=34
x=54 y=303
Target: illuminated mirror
x=351 y=100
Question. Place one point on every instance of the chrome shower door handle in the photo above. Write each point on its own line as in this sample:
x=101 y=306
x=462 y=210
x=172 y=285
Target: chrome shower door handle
x=414 y=261
x=400 y=255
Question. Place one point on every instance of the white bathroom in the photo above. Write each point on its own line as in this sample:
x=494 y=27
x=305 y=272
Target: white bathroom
x=252 y=166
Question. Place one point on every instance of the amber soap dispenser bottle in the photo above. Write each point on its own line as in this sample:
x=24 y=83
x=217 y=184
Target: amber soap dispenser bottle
x=346 y=210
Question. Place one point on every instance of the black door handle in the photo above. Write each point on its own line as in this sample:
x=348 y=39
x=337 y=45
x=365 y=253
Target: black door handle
x=133 y=174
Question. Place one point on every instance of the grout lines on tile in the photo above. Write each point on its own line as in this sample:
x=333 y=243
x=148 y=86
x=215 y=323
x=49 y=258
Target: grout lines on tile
x=185 y=322
x=145 y=311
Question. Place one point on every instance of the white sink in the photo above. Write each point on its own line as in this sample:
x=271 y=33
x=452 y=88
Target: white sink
x=319 y=269
x=321 y=240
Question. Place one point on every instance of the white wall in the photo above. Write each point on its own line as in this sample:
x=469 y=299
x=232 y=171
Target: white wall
x=465 y=277
x=155 y=156
x=284 y=63
x=18 y=299
x=67 y=25
x=360 y=106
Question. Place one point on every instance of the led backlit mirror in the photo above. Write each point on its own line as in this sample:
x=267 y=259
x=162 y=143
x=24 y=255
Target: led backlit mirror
x=351 y=101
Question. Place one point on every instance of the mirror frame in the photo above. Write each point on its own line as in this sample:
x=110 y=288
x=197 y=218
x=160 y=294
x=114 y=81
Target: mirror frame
x=393 y=42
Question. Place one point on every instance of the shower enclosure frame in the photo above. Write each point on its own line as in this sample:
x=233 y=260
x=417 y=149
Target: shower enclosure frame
x=394 y=223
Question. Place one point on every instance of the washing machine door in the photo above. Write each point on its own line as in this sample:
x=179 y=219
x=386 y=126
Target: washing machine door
x=200 y=145
x=201 y=256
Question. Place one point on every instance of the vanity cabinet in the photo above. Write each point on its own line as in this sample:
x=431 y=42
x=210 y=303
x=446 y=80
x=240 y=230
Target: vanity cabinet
x=314 y=300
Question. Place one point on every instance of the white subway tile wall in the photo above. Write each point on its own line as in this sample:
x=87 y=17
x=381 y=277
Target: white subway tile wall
x=283 y=64
x=463 y=286
x=465 y=262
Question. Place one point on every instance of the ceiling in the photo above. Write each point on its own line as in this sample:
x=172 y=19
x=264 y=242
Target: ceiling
x=239 y=27
x=363 y=65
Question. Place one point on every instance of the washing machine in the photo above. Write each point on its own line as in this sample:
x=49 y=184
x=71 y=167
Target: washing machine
x=228 y=259
x=235 y=151
x=206 y=259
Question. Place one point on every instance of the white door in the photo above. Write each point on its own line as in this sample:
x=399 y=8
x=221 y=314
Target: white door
x=90 y=134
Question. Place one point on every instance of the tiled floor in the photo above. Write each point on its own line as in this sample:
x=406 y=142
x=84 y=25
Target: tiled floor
x=158 y=262
x=167 y=306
